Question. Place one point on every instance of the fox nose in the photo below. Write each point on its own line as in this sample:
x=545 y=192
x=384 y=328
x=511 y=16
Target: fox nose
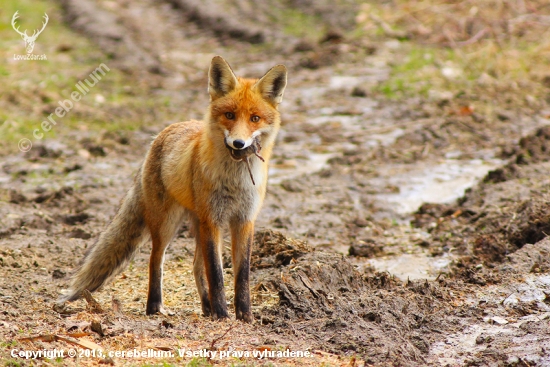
x=239 y=144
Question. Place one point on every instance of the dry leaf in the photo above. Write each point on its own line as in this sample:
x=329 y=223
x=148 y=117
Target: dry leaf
x=78 y=334
x=80 y=325
x=84 y=343
x=97 y=327
x=43 y=338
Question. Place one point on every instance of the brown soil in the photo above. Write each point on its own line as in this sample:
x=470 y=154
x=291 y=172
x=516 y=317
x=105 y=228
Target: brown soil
x=312 y=287
x=506 y=211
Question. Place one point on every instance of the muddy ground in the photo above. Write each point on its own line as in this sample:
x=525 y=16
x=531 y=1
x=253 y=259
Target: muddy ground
x=368 y=250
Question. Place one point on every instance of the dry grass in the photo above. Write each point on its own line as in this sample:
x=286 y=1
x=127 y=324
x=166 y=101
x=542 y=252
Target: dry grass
x=459 y=23
x=496 y=50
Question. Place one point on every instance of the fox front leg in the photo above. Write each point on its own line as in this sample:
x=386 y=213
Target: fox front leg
x=209 y=242
x=242 y=234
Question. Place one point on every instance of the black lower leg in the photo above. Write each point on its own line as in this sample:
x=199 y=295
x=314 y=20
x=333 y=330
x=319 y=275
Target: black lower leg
x=154 y=298
x=218 y=305
x=242 y=289
x=205 y=304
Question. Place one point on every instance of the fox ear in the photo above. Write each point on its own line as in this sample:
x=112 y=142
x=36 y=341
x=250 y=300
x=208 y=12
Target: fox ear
x=221 y=79
x=272 y=85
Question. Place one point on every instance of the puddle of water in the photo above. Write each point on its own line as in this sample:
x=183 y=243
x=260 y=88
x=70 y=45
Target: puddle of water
x=411 y=266
x=312 y=92
x=346 y=82
x=318 y=161
x=343 y=81
x=532 y=289
x=345 y=120
x=314 y=163
x=349 y=81
x=452 y=351
x=441 y=183
x=459 y=347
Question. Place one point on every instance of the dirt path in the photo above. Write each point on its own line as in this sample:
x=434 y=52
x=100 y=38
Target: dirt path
x=454 y=283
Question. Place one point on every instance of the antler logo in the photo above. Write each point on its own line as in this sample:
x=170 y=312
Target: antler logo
x=29 y=40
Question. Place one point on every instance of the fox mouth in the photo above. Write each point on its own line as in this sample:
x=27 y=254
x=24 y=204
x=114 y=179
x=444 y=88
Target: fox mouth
x=239 y=154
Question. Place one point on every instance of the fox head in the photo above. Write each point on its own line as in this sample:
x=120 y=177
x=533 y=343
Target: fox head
x=243 y=110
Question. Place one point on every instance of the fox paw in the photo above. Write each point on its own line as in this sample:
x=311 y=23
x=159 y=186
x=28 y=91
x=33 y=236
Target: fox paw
x=157 y=309
x=245 y=316
x=220 y=315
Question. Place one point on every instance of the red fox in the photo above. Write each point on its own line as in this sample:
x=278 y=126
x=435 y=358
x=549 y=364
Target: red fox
x=209 y=171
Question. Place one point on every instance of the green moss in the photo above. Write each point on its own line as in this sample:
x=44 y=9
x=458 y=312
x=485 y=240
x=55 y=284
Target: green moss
x=198 y=362
x=412 y=75
x=296 y=23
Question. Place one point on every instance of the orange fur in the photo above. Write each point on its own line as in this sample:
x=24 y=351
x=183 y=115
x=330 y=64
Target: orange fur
x=190 y=172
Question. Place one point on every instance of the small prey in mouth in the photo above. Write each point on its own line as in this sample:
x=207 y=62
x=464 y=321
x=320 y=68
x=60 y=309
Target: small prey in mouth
x=243 y=155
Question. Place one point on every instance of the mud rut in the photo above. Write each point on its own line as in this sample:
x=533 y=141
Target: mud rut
x=338 y=167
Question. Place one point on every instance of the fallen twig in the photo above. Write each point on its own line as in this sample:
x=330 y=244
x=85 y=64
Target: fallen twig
x=93 y=305
x=214 y=341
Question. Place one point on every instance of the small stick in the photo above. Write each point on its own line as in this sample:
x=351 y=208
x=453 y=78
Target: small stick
x=259 y=156
x=257 y=149
x=93 y=305
x=249 y=171
x=214 y=341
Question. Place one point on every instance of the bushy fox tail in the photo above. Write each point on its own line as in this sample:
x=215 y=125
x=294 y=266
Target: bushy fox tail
x=114 y=248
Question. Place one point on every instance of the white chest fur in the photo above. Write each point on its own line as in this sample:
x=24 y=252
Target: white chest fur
x=234 y=195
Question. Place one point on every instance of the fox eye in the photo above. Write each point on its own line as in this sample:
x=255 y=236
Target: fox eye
x=230 y=115
x=255 y=118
